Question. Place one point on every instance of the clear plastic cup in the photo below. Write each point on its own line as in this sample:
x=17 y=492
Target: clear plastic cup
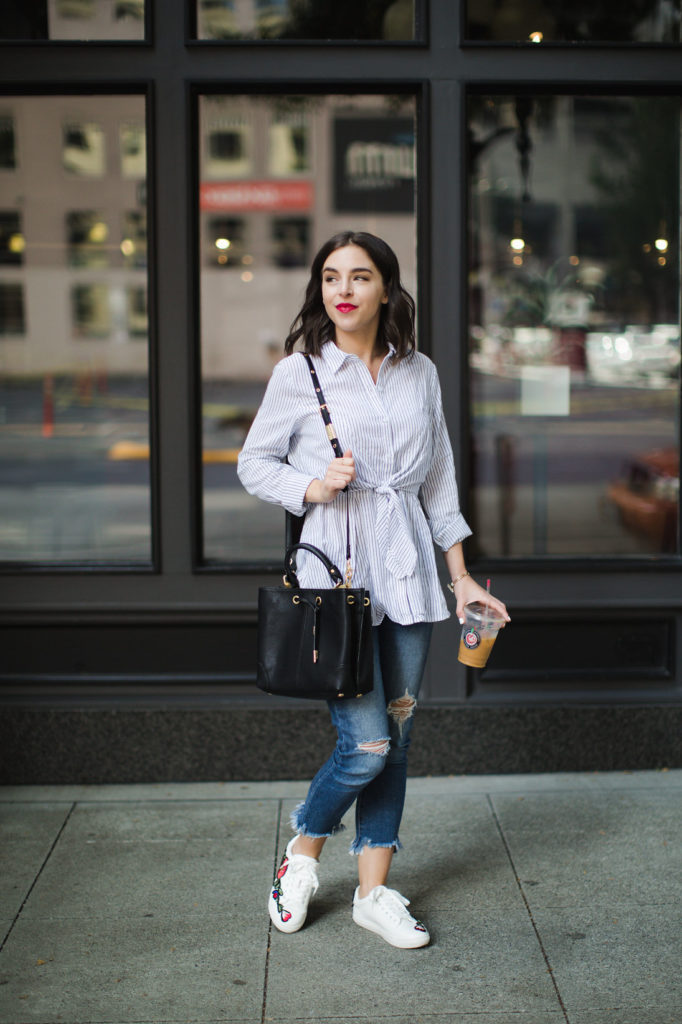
x=479 y=632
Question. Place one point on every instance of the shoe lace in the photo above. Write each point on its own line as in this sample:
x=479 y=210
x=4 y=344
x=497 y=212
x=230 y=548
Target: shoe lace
x=302 y=880
x=392 y=903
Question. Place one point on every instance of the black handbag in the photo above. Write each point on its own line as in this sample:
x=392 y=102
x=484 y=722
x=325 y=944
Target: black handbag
x=316 y=642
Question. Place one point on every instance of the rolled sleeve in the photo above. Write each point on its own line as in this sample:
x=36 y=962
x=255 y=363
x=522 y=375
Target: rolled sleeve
x=439 y=494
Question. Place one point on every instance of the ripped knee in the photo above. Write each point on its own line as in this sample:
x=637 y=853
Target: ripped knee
x=402 y=708
x=380 y=747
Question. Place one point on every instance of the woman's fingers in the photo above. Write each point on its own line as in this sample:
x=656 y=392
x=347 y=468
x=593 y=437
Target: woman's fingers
x=339 y=474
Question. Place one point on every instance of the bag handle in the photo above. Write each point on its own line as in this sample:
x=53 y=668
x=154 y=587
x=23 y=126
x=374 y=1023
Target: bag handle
x=290 y=577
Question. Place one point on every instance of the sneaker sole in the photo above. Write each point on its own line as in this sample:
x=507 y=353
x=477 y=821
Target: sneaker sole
x=421 y=938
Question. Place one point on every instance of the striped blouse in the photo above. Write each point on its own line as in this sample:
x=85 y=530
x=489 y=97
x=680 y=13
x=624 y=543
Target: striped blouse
x=405 y=496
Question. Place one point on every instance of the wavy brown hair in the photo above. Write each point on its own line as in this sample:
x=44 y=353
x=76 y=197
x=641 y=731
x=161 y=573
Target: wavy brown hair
x=313 y=327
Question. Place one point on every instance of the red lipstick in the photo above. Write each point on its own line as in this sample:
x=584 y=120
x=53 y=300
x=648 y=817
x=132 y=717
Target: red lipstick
x=345 y=307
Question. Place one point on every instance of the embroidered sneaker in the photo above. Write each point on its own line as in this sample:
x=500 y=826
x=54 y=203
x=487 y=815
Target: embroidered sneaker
x=295 y=882
x=385 y=912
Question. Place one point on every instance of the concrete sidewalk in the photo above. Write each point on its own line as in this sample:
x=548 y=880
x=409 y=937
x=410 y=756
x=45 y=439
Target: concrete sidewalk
x=550 y=899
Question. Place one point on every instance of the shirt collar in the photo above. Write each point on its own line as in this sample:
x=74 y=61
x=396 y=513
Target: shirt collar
x=334 y=357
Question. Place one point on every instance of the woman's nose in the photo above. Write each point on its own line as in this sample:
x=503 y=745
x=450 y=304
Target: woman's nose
x=346 y=286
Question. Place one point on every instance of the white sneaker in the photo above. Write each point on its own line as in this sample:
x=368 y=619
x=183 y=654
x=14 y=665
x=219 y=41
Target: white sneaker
x=385 y=912
x=295 y=882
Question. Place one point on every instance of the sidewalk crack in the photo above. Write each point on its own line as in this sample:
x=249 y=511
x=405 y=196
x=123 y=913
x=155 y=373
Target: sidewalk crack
x=278 y=828
x=545 y=955
x=39 y=873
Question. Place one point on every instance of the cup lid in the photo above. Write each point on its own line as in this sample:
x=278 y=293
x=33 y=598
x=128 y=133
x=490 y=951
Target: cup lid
x=481 y=613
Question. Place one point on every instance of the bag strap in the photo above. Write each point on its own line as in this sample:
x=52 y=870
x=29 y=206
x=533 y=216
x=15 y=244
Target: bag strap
x=338 y=452
x=324 y=409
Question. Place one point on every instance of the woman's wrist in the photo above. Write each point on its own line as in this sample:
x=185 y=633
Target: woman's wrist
x=460 y=576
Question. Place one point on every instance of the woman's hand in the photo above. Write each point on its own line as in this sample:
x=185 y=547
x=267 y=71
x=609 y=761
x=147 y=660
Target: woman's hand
x=339 y=474
x=467 y=590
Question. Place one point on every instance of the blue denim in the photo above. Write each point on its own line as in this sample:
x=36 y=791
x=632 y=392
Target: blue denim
x=374 y=777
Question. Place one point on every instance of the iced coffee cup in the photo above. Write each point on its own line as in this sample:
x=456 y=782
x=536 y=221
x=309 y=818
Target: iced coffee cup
x=479 y=632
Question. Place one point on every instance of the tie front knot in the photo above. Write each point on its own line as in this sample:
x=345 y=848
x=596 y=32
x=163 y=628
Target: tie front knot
x=394 y=537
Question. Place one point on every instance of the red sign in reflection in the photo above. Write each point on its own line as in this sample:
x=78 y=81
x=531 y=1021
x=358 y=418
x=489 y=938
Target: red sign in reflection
x=256 y=195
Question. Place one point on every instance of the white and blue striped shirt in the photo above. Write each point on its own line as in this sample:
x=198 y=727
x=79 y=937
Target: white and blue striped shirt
x=405 y=496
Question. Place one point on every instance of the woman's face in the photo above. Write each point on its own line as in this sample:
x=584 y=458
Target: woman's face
x=353 y=290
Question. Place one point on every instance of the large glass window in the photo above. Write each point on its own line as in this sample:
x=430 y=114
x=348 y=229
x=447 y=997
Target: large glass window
x=574 y=324
x=74 y=408
x=72 y=19
x=322 y=20
x=351 y=163
x=552 y=21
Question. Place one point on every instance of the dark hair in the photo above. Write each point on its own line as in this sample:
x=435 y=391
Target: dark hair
x=396 y=321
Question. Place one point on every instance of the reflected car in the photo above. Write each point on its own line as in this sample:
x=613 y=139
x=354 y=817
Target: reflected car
x=634 y=356
x=647 y=497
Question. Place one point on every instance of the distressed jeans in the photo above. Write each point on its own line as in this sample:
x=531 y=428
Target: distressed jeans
x=369 y=763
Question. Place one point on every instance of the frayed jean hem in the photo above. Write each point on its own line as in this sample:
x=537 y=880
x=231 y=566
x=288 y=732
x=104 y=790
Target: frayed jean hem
x=362 y=843
x=299 y=826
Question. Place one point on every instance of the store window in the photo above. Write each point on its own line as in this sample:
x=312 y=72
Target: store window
x=574 y=206
x=546 y=21
x=321 y=20
x=76 y=20
x=353 y=166
x=74 y=389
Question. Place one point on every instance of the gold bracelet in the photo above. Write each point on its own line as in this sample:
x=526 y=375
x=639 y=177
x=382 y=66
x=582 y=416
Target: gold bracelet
x=453 y=583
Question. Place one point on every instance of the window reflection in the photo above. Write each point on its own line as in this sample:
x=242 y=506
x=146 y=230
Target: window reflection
x=389 y=20
x=72 y=19
x=74 y=444
x=259 y=231
x=538 y=21
x=12 y=243
x=133 y=151
x=574 y=324
x=83 y=151
x=12 y=319
x=8 y=160
x=87 y=236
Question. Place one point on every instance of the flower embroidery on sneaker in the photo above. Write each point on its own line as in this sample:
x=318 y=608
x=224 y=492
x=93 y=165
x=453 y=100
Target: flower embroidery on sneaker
x=277 y=890
x=295 y=882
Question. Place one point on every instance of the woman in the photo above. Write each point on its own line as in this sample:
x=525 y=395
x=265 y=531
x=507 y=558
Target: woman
x=357 y=323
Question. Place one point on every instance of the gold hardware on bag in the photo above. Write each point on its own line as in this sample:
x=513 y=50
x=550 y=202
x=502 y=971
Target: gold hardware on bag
x=285 y=581
x=318 y=601
x=367 y=604
x=330 y=432
x=296 y=599
x=350 y=599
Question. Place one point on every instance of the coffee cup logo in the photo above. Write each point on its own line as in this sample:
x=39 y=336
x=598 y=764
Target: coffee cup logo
x=471 y=639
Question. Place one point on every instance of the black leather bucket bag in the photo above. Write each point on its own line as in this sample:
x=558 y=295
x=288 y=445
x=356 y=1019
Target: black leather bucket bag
x=314 y=643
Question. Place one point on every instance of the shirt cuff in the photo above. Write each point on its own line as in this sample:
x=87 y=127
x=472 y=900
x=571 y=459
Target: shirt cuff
x=452 y=532
x=294 y=491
